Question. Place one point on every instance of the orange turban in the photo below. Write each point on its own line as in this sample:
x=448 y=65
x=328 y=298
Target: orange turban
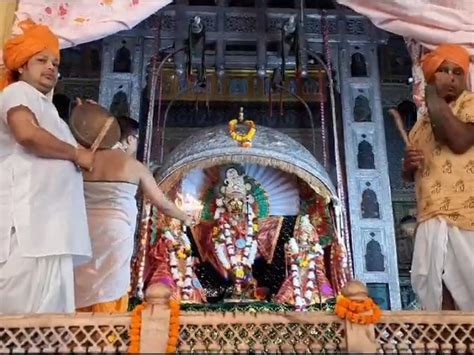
x=19 y=49
x=450 y=52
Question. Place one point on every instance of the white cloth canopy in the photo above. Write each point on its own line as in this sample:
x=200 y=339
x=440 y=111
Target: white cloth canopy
x=81 y=21
x=429 y=22
x=426 y=23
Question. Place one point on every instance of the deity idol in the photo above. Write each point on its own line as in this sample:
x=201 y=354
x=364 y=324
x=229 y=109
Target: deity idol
x=307 y=283
x=267 y=239
x=234 y=237
x=236 y=229
x=174 y=262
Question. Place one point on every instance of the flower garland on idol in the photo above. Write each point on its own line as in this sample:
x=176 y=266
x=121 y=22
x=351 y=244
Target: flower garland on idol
x=236 y=249
x=299 y=262
x=179 y=249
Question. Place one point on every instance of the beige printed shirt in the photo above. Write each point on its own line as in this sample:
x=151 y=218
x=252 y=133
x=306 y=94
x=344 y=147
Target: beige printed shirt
x=445 y=185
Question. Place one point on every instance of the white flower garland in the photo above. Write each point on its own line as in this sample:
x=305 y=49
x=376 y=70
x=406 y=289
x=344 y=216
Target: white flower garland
x=299 y=262
x=181 y=250
x=225 y=244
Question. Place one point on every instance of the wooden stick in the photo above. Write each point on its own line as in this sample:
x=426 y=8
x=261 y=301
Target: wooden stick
x=400 y=126
x=102 y=133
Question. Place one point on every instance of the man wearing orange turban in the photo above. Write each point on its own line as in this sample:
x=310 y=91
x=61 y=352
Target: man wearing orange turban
x=452 y=53
x=18 y=50
x=440 y=160
x=43 y=225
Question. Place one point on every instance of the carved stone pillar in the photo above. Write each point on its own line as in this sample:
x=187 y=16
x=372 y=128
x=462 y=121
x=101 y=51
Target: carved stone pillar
x=370 y=202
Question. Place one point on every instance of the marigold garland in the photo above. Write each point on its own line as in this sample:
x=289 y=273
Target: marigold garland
x=135 y=328
x=136 y=323
x=353 y=310
x=173 y=334
x=243 y=139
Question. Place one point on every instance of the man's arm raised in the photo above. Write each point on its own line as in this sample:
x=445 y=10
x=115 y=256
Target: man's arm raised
x=157 y=197
x=447 y=128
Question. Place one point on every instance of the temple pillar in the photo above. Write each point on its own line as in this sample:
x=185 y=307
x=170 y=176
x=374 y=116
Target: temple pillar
x=369 y=196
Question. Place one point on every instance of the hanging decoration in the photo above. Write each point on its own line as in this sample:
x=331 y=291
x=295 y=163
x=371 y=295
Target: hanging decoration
x=245 y=140
x=324 y=128
x=140 y=252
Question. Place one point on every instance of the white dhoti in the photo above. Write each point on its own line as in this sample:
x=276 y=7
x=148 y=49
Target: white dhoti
x=106 y=277
x=42 y=200
x=111 y=214
x=36 y=284
x=443 y=254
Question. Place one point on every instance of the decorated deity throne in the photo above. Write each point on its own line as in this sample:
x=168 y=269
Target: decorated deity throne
x=241 y=223
x=270 y=228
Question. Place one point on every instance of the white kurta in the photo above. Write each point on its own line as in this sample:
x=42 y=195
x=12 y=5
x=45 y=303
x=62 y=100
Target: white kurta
x=112 y=214
x=443 y=254
x=42 y=208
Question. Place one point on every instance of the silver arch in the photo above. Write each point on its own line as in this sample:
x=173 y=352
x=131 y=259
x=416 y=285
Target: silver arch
x=213 y=146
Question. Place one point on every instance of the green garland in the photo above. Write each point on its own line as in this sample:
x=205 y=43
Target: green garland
x=261 y=199
x=254 y=307
x=279 y=332
x=206 y=214
x=244 y=307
